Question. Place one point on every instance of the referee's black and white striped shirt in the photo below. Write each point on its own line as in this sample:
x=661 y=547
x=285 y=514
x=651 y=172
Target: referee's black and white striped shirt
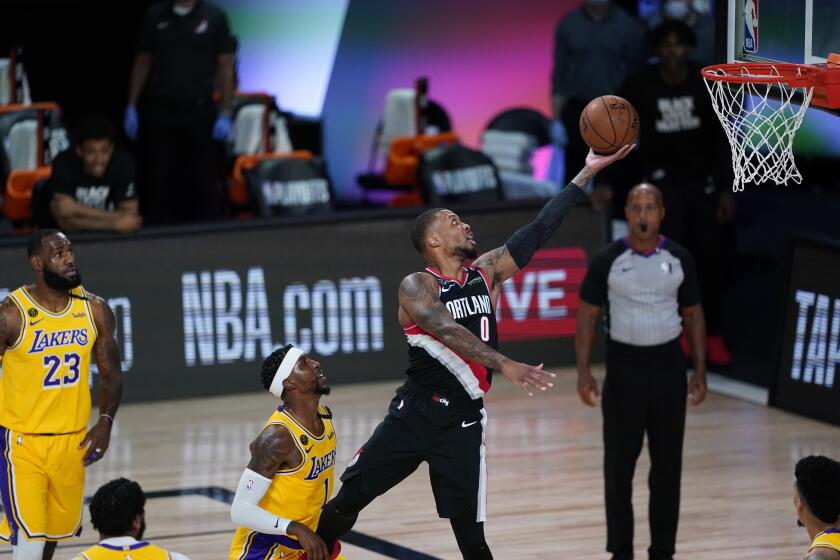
x=643 y=291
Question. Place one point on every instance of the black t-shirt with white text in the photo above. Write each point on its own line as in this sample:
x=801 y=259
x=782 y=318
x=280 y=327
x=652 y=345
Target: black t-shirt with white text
x=680 y=132
x=103 y=193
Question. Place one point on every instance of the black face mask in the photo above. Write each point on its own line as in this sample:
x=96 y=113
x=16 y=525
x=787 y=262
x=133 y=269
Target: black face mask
x=60 y=283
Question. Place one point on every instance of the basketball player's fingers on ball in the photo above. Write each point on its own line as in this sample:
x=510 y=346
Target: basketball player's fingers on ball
x=624 y=150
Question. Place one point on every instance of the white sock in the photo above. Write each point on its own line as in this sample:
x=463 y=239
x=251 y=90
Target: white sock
x=28 y=550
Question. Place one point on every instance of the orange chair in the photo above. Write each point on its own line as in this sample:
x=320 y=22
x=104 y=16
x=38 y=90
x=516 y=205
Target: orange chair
x=404 y=156
x=18 y=203
x=238 y=190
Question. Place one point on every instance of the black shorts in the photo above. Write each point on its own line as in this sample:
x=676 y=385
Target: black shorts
x=428 y=427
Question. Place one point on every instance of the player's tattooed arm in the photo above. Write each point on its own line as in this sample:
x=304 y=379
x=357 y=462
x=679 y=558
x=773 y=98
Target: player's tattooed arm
x=418 y=297
x=10 y=325
x=498 y=265
x=107 y=357
x=274 y=449
x=419 y=300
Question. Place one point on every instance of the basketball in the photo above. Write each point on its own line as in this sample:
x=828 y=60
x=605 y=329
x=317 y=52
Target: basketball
x=607 y=123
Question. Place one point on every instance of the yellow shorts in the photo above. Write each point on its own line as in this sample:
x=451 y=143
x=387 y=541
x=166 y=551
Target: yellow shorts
x=250 y=545
x=42 y=482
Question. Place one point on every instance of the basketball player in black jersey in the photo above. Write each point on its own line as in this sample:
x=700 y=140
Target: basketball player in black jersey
x=448 y=314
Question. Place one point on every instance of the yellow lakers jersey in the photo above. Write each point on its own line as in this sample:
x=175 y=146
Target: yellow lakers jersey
x=299 y=493
x=44 y=385
x=138 y=551
x=830 y=538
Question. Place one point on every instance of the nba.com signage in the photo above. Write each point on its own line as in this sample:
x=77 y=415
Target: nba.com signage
x=807 y=381
x=198 y=312
x=227 y=319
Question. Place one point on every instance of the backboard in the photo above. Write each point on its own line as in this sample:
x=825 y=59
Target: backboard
x=795 y=31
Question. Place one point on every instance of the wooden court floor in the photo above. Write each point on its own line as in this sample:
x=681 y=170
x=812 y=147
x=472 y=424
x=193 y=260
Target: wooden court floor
x=545 y=481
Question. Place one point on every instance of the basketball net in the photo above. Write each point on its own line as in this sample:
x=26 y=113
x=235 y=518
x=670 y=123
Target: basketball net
x=760 y=129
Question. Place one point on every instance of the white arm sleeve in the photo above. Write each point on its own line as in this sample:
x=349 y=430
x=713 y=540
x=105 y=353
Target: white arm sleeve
x=246 y=510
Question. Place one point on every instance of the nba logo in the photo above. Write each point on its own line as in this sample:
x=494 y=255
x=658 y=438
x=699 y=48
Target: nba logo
x=751 y=26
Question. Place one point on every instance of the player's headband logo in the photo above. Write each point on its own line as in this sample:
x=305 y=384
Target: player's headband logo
x=284 y=370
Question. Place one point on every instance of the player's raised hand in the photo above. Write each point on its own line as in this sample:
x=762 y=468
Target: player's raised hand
x=528 y=378
x=96 y=441
x=598 y=162
x=313 y=546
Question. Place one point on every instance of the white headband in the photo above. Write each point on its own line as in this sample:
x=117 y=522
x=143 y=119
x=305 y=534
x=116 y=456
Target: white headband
x=284 y=371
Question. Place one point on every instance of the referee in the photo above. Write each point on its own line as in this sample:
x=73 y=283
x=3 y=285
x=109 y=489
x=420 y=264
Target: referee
x=649 y=287
x=186 y=50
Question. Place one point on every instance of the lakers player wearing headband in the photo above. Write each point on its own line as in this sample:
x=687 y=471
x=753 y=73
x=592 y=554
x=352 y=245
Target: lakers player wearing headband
x=290 y=475
x=816 y=497
x=48 y=331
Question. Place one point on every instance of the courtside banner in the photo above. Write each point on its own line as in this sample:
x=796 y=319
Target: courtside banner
x=198 y=310
x=808 y=381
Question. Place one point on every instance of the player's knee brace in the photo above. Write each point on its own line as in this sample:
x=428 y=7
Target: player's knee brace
x=470 y=537
x=28 y=550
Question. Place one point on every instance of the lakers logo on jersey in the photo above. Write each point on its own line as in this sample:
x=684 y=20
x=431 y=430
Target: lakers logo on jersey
x=46 y=340
x=320 y=464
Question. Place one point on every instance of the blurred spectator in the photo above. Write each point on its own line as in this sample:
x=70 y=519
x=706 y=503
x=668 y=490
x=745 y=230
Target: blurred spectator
x=682 y=151
x=92 y=184
x=595 y=47
x=703 y=25
x=186 y=48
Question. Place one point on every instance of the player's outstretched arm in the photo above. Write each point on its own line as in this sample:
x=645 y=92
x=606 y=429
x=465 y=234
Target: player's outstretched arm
x=505 y=261
x=274 y=449
x=419 y=299
x=10 y=325
x=107 y=357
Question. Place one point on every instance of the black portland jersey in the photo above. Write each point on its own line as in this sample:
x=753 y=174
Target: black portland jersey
x=437 y=368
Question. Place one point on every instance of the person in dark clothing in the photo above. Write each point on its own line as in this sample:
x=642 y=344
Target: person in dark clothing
x=595 y=47
x=186 y=48
x=677 y=124
x=92 y=186
x=447 y=312
x=648 y=285
x=703 y=26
